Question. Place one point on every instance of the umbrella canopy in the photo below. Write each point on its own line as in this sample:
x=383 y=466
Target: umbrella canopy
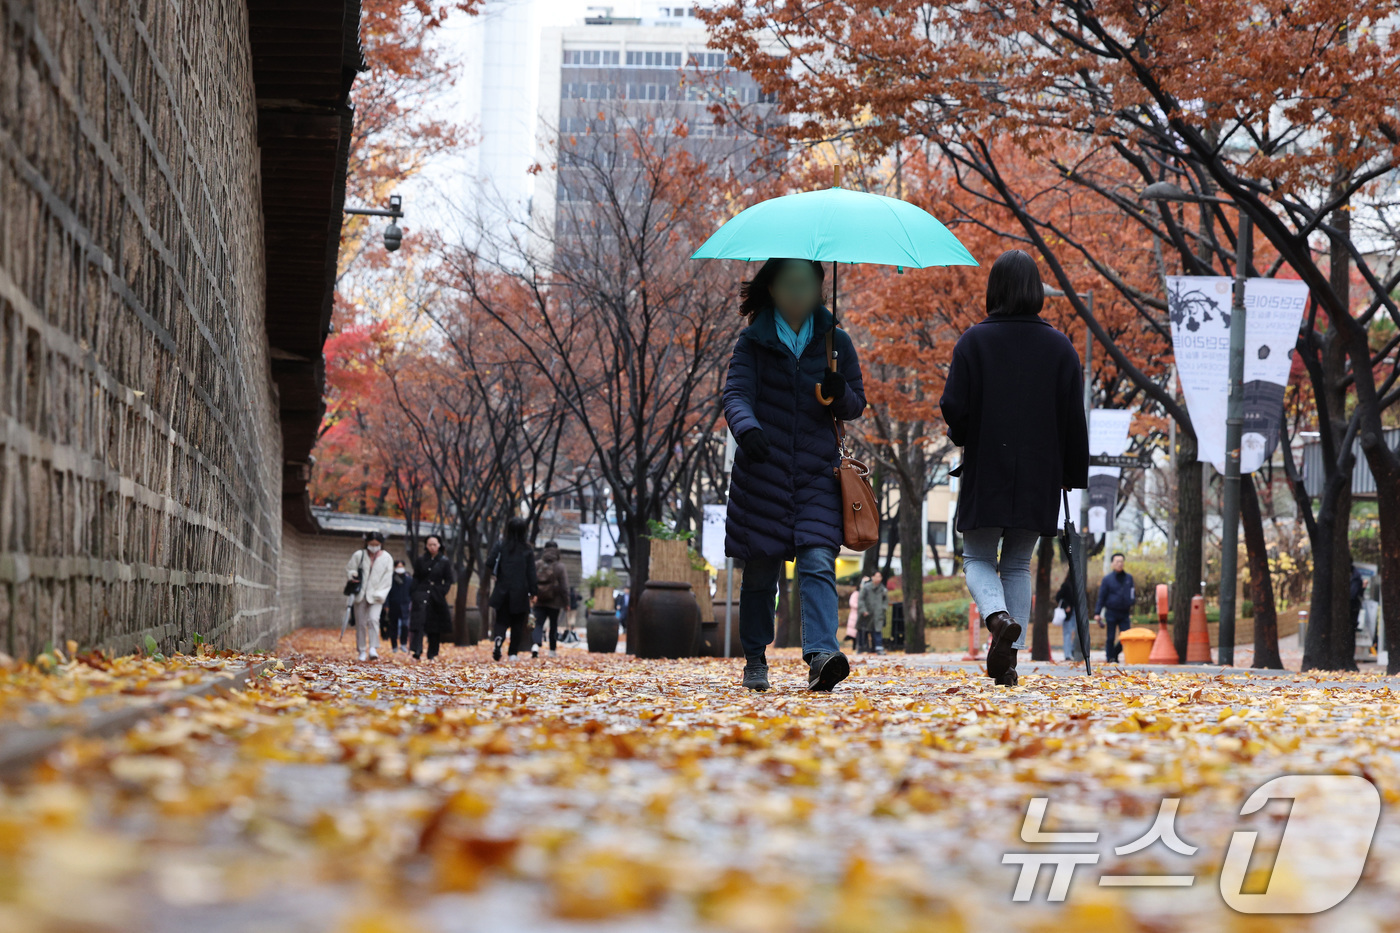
x=838 y=225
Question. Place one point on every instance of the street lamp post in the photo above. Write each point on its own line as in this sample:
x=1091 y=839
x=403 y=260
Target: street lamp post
x=1234 y=415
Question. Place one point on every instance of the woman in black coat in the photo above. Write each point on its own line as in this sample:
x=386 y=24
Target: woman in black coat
x=432 y=578
x=1014 y=401
x=784 y=495
x=513 y=588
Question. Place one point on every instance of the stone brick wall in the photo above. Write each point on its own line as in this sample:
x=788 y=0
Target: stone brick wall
x=140 y=473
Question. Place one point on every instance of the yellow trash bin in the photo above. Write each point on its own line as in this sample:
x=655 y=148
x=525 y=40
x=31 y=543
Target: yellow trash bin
x=1137 y=644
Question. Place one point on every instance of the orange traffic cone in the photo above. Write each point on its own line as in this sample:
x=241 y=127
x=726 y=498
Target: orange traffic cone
x=1163 y=650
x=1198 y=640
x=974 y=622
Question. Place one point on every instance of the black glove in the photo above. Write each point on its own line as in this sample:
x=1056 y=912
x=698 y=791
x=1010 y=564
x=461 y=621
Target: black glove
x=755 y=445
x=833 y=385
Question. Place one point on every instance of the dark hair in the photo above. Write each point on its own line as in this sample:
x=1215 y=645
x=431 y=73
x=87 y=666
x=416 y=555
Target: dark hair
x=374 y=536
x=753 y=294
x=433 y=537
x=1013 y=285
x=1117 y=554
x=516 y=529
x=551 y=544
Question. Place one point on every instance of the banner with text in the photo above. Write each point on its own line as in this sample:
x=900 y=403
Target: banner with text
x=1108 y=436
x=712 y=535
x=1200 y=308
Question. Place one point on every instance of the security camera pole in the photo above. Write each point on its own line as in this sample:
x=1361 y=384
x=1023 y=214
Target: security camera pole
x=393 y=236
x=1234 y=415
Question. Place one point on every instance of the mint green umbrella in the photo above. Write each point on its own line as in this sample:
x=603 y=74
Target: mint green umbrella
x=838 y=225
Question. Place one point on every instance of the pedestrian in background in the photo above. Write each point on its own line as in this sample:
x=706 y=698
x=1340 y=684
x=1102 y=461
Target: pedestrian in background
x=374 y=569
x=1064 y=608
x=394 y=622
x=874 y=603
x=1014 y=401
x=513 y=587
x=853 y=617
x=552 y=598
x=431 y=615
x=1117 y=596
x=782 y=402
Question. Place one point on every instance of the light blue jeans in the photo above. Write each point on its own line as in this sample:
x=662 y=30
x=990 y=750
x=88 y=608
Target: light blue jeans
x=1071 y=635
x=1001 y=585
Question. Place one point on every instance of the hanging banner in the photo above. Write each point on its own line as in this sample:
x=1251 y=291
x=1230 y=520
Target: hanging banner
x=712 y=535
x=1108 y=435
x=588 y=547
x=1199 y=308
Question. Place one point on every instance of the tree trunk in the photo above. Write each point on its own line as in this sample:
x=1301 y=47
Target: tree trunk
x=1187 y=574
x=1261 y=587
x=1342 y=624
x=1388 y=507
x=1318 y=651
x=1040 y=612
x=912 y=560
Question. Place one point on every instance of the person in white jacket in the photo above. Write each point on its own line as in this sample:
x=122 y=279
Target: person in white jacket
x=375 y=569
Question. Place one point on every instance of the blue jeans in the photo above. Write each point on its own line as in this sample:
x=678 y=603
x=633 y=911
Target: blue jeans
x=1001 y=585
x=816 y=584
x=1072 y=649
x=1112 y=626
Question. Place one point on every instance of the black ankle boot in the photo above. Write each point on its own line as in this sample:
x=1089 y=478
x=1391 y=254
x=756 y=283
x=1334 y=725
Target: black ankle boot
x=1001 y=656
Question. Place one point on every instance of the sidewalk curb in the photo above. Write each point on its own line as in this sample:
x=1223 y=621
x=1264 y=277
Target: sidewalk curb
x=21 y=749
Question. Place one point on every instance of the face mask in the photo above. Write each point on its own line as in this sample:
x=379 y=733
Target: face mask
x=373 y=549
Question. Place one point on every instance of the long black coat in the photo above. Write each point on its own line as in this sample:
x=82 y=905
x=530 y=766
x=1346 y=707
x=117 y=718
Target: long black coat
x=432 y=578
x=514 y=569
x=1014 y=401
x=793 y=500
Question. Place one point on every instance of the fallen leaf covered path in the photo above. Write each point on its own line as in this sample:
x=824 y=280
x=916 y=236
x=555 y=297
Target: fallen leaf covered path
x=591 y=792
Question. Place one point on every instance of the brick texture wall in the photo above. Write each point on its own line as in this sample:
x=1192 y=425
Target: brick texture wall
x=140 y=473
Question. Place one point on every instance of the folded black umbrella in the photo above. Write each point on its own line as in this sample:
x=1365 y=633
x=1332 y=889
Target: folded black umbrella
x=1078 y=584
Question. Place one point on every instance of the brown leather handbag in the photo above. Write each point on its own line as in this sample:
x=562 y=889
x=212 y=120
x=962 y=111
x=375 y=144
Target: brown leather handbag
x=860 y=516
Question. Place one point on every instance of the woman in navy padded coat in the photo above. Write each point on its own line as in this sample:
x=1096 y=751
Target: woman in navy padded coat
x=784 y=494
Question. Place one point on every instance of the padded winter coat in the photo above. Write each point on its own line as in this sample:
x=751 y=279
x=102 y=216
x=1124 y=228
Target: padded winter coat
x=794 y=499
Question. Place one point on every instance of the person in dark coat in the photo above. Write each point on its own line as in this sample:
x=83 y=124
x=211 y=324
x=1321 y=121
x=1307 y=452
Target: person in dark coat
x=513 y=587
x=1117 y=596
x=784 y=496
x=552 y=598
x=398 y=609
x=1064 y=601
x=433 y=576
x=1014 y=401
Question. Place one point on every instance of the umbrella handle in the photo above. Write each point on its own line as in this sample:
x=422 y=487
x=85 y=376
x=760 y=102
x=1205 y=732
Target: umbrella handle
x=831 y=364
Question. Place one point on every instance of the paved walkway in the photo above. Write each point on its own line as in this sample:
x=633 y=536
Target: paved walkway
x=591 y=792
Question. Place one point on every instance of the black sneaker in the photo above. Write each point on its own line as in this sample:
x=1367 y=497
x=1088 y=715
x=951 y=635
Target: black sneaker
x=496 y=651
x=827 y=670
x=1008 y=678
x=756 y=674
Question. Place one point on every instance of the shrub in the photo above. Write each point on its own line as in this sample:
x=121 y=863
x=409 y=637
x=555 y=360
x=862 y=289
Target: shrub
x=949 y=614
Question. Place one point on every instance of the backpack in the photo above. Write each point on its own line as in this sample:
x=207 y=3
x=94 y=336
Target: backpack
x=547 y=582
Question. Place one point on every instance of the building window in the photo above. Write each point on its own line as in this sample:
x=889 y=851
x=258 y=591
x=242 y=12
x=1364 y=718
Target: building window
x=582 y=58
x=653 y=59
x=938 y=534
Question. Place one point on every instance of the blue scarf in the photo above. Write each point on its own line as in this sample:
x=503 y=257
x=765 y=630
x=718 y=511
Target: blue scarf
x=796 y=341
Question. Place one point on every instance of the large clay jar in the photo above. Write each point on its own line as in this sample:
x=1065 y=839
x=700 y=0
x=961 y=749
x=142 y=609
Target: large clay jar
x=665 y=621
x=602 y=632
